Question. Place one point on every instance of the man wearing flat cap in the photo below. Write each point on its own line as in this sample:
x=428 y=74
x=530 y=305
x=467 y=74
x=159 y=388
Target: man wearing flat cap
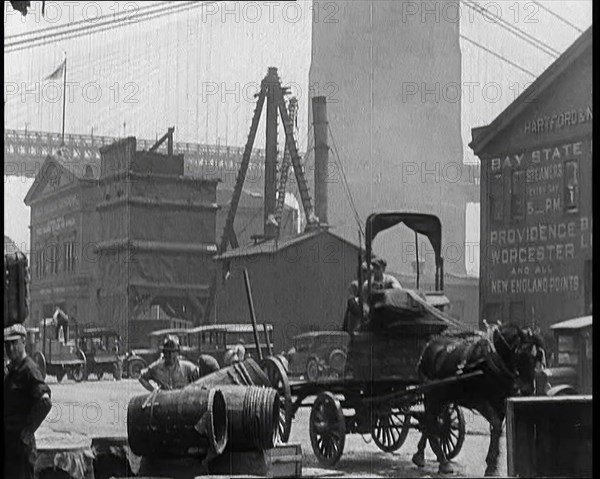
x=169 y=371
x=379 y=278
x=26 y=405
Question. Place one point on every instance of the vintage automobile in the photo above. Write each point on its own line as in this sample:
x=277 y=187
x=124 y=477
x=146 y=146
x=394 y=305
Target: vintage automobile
x=56 y=348
x=139 y=358
x=216 y=339
x=100 y=345
x=318 y=354
x=571 y=368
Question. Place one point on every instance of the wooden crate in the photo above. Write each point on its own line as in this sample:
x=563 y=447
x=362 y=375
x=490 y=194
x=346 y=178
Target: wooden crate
x=549 y=436
x=281 y=461
x=284 y=461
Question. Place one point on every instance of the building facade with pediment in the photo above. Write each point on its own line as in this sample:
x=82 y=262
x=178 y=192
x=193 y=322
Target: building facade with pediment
x=115 y=239
x=63 y=231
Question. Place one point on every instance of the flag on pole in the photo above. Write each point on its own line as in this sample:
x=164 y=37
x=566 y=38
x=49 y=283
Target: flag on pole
x=58 y=73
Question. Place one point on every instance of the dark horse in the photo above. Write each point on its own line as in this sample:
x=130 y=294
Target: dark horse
x=507 y=357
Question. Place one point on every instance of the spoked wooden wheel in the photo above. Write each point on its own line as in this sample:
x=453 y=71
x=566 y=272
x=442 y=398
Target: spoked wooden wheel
x=40 y=360
x=327 y=429
x=390 y=429
x=279 y=381
x=452 y=430
x=312 y=370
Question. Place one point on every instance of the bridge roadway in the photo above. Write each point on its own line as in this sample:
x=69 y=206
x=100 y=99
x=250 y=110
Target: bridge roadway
x=25 y=152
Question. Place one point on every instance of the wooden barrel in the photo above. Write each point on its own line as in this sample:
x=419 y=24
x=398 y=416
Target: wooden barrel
x=252 y=416
x=182 y=423
x=245 y=373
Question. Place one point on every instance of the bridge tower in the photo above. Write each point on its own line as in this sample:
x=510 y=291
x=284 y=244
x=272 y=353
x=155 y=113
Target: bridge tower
x=391 y=71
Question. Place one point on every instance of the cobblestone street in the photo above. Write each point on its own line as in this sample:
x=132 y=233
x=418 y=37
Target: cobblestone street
x=99 y=408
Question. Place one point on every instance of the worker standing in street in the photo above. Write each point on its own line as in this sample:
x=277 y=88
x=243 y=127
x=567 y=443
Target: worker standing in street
x=26 y=404
x=169 y=371
x=236 y=354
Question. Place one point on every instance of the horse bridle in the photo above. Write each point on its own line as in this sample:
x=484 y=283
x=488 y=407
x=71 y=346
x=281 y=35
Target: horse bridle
x=514 y=373
x=511 y=372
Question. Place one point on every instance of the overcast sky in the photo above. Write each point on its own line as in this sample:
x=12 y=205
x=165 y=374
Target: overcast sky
x=197 y=70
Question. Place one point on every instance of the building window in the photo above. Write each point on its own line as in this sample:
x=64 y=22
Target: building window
x=38 y=262
x=69 y=256
x=43 y=261
x=53 y=257
x=571 y=186
x=496 y=198
x=517 y=195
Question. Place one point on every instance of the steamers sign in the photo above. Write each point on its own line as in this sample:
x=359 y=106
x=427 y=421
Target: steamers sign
x=538 y=253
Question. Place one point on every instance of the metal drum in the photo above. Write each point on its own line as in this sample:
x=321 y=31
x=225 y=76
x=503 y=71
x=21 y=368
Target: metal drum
x=252 y=415
x=183 y=423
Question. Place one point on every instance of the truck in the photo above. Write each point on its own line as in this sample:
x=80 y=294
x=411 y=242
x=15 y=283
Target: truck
x=570 y=370
x=55 y=348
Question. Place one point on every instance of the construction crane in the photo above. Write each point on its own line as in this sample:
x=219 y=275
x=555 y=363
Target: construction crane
x=285 y=167
x=273 y=94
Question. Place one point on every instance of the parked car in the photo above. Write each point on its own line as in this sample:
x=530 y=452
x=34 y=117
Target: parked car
x=216 y=339
x=571 y=368
x=318 y=354
x=100 y=346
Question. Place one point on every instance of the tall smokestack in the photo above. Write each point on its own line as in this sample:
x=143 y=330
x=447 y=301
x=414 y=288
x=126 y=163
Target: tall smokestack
x=319 y=105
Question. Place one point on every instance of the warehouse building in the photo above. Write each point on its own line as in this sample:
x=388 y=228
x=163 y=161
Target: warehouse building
x=536 y=198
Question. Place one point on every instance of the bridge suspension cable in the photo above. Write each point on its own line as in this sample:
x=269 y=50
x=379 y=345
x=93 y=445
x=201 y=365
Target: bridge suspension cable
x=534 y=41
x=77 y=29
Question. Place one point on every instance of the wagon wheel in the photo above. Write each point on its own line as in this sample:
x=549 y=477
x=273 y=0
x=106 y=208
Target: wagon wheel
x=79 y=371
x=390 y=429
x=278 y=379
x=337 y=362
x=452 y=430
x=312 y=370
x=40 y=360
x=327 y=429
x=135 y=367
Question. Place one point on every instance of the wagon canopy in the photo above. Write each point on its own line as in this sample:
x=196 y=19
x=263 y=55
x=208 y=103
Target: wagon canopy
x=425 y=224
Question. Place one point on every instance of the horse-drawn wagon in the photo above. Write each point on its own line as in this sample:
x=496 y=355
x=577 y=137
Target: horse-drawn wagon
x=379 y=381
x=406 y=361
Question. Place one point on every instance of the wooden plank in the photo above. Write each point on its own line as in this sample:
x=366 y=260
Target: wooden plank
x=549 y=437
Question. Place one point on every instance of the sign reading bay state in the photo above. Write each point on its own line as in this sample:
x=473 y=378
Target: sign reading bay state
x=545 y=180
x=550 y=235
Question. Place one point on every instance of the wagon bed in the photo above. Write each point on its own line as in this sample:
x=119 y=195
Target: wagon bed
x=387 y=408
